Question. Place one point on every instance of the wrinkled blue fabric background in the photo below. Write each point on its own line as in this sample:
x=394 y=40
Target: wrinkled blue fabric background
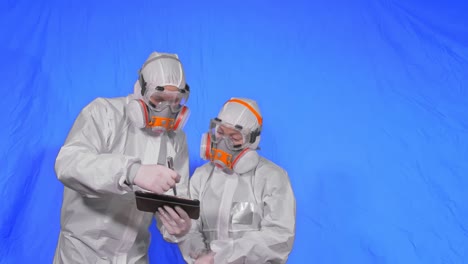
x=365 y=104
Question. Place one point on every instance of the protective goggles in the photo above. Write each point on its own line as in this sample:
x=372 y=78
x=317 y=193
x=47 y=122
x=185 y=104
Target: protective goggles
x=235 y=136
x=162 y=98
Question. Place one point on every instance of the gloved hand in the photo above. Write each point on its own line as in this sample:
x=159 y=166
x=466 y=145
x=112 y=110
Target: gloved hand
x=205 y=259
x=176 y=223
x=156 y=178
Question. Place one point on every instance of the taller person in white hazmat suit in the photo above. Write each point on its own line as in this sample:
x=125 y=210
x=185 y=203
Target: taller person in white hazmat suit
x=248 y=209
x=117 y=146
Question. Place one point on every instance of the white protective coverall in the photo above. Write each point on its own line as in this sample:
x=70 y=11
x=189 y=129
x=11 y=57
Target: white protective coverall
x=100 y=222
x=246 y=217
x=261 y=215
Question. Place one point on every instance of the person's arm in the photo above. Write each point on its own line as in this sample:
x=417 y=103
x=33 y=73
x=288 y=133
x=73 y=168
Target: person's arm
x=193 y=244
x=181 y=166
x=84 y=162
x=274 y=241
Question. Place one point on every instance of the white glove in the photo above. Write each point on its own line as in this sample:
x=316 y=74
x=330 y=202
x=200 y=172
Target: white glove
x=156 y=178
x=176 y=223
x=205 y=259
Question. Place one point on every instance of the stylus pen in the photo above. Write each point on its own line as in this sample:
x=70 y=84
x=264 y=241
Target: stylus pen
x=170 y=165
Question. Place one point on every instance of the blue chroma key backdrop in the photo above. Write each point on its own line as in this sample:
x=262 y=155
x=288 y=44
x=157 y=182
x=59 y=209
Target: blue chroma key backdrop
x=365 y=104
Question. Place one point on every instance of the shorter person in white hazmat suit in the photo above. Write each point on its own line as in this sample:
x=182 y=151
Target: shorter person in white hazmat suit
x=248 y=208
x=117 y=146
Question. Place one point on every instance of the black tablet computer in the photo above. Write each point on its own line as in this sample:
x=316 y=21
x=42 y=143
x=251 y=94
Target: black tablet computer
x=150 y=202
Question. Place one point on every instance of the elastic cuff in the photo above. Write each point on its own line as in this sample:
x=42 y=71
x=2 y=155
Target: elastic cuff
x=132 y=171
x=199 y=252
x=172 y=238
